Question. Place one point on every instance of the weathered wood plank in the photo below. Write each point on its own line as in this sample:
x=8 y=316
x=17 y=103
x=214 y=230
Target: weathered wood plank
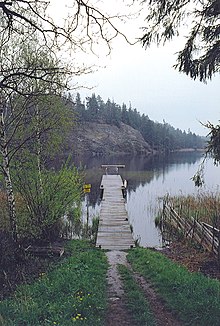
x=114 y=231
x=113 y=165
x=193 y=229
x=45 y=251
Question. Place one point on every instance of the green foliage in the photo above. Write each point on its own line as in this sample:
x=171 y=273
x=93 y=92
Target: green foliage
x=72 y=224
x=213 y=147
x=44 y=126
x=192 y=296
x=164 y=21
x=160 y=136
x=47 y=197
x=92 y=108
x=94 y=229
x=137 y=303
x=212 y=150
x=204 y=206
x=74 y=292
x=90 y=231
x=158 y=220
x=34 y=120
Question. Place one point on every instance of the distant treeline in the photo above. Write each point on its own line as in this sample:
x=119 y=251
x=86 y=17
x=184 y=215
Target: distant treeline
x=161 y=136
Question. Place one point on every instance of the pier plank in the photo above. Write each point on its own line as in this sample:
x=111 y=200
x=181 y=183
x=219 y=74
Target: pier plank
x=114 y=231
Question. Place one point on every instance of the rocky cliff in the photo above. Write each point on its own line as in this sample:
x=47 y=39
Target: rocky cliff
x=102 y=139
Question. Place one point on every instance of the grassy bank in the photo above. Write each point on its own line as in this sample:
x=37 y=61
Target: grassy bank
x=192 y=296
x=75 y=291
x=136 y=302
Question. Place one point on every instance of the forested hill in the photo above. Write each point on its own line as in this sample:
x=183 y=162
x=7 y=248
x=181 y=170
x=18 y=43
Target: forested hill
x=160 y=136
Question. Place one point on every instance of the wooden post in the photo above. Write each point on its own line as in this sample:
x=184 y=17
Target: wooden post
x=87 y=189
x=87 y=213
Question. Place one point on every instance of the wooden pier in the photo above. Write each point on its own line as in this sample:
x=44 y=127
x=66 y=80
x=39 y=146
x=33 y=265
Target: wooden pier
x=114 y=231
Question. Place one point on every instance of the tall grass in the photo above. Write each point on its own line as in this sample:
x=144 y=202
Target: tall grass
x=203 y=206
x=192 y=296
x=74 y=292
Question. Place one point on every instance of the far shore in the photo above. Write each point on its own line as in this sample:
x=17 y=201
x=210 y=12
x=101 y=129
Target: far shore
x=190 y=150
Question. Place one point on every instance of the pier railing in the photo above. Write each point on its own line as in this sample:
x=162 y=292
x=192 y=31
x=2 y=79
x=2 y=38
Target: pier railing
x=112 y=168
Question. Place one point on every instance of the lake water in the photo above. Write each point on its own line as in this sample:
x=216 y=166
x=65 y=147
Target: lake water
x=149 y=179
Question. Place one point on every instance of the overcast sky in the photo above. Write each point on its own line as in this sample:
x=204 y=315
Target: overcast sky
x=147 y=80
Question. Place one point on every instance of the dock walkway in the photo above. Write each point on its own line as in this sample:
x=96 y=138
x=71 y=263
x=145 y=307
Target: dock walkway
x=114 y=231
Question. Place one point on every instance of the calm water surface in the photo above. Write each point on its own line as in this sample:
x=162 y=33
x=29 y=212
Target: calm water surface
x=149 y=179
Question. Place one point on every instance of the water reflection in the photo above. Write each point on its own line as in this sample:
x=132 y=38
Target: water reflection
x=148 y=179
x=138 y=169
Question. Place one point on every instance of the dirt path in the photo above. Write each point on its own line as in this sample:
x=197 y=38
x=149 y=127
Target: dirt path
x=162 y=315
x=118 y=315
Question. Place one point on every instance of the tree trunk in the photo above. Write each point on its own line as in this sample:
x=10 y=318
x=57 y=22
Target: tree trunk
x=39 y=165
x=7 y=178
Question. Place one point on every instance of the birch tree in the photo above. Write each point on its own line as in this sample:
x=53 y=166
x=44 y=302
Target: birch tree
x=48 y=193
x=22 y=24
x=20 y=100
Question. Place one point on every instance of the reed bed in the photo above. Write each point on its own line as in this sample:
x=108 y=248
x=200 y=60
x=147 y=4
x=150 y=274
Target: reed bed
x=204 y=207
